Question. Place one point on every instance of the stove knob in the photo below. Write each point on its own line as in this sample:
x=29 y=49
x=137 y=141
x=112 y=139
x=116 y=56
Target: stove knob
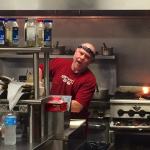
x=120 y=112
x=142 y=113
x=131 y=113
x=100 y=114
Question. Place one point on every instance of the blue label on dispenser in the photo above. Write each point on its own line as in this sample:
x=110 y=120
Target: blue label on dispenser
x=2 y=35
x=47 y=36
x=15 y=35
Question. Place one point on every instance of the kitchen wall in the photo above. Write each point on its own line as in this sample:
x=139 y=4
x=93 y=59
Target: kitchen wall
x=129 y=36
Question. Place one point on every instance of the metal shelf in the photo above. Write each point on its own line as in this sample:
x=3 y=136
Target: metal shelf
x=105 y=57
x=28 y=101
x=23 y=50
x=28 y=56
x=34 y=53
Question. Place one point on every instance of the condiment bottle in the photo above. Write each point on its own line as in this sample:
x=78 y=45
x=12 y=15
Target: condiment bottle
x=48 y=33
x=2 y=32
x=11 y=32
x=40 y=33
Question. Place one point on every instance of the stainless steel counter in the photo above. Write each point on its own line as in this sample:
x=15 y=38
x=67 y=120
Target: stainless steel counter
x=23 y=144
x=47 y=142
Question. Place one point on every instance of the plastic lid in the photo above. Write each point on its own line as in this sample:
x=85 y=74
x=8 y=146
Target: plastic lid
x=2 y=19
x=10 y=120
x=11 y=19
x=39 y=20
x=47 y=20
x=26 y=19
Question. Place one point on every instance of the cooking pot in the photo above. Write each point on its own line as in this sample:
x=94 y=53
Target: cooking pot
x=102 y=94
x=106 y=51
x=58 y=49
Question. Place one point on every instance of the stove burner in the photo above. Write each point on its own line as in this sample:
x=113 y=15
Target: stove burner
x=146 y=96
x=131 y=122
x=125 y=95
x=130 y=95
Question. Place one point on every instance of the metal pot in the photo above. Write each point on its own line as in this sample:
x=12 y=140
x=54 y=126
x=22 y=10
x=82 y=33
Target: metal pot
x=60 y=50
x=107 y=51
x=101 y=94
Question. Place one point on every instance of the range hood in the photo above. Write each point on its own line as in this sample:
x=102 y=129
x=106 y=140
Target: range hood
x=75 y=5
x=75 y=8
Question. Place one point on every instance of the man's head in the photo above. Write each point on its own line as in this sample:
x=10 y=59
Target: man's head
x=83 y=56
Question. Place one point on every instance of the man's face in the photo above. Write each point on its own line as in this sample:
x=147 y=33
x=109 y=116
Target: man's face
x=81 y=60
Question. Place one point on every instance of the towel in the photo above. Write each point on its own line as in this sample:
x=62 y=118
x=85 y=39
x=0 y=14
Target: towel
x=14 y=93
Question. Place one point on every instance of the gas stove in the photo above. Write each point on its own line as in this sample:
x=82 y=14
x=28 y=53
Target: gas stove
x=130 y=109
x=130 y=118
x=130 y=114
x=132 y=92
x=129 y=124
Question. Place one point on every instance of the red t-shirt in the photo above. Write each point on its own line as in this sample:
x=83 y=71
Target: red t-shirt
x=65 y=82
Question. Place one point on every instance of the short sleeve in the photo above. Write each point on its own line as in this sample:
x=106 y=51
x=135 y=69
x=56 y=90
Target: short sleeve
x=86 y=91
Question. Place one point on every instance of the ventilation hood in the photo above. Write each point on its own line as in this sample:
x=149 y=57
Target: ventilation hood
x=75 y=5
x=75 y=8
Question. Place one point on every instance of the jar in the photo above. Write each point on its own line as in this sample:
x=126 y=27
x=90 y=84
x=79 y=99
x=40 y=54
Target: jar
x=11 y=32
x=40 y=33
x=31 y=32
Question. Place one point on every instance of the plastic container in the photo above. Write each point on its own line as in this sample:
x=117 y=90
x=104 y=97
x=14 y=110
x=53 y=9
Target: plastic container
x=56 y=104
x=48 y=33
x=40 y=33
x=2 y=32
x=10 y=129
x=31 y=32
x=8 y=32
x=12 y=32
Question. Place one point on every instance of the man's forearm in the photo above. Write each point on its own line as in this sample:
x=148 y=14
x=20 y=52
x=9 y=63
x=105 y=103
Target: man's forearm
x=40 y=75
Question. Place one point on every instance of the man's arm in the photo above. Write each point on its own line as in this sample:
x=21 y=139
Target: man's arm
x=40 y=75
x=76 y=106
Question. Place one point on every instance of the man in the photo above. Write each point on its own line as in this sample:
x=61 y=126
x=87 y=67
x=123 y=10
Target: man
x=72 y=77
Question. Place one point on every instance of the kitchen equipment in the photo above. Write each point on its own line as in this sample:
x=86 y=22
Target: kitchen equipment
x=129 y=105
x=130 y=117
x=98 y=121
x=58 y=114
x=56 y=104
x=101 y=93
x=106 y=51
x=58 y=49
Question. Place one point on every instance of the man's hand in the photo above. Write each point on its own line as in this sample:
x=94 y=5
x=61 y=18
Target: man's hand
x=76 y=106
